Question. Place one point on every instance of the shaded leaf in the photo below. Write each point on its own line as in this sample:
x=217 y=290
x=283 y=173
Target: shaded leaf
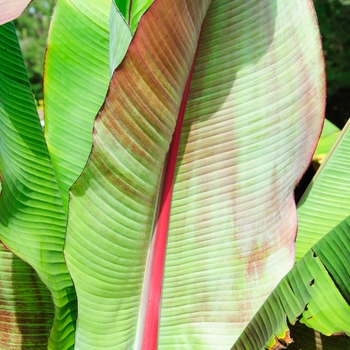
x=26 y=308
x=330 y=133
x=32 y=217
x=133 y=10
x=308 y=339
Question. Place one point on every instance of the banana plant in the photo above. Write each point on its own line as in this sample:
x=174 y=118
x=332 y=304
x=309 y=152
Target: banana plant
x=157 y=207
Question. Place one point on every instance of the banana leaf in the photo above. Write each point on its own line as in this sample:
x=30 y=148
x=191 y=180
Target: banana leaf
x=326 y=202
x=31 y=318
x=76 y=78
x=132 y=11
x=325 y=310
x=33 y=220
x=315 y=292
x=183 y=220
x=27 y=311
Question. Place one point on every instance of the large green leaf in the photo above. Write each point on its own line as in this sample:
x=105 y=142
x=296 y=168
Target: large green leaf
x=75 y=83
x=32 y=220
x=253 y=115
x=326 y=202
x=315 y=292
x=76 y=79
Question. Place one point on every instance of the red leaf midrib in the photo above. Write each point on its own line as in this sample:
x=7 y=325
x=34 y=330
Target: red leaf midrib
x=152 y=315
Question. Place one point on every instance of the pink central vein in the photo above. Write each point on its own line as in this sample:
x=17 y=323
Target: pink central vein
x=152 y=317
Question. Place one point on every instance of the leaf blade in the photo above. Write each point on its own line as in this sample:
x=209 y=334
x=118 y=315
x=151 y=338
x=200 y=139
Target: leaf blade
x=317 y=288
x=233 y=215
x=131 y=142
x=129 y=149
x=32 y=216
x=76 y=76
x=326 y=201
x=133 y=10
x=26 y=311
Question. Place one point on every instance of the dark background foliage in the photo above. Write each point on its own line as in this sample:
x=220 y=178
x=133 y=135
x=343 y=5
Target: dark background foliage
x=334 y=20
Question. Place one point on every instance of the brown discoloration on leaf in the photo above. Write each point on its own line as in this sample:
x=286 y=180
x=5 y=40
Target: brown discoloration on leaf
x=282 y=343
x=340 y=334
x=287 y=339
x=26 y=308
x=131 y=138
x=277 y=346
x=9 y=330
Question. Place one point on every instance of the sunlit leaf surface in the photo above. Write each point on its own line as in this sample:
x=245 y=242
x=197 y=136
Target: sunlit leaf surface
x=251 y=124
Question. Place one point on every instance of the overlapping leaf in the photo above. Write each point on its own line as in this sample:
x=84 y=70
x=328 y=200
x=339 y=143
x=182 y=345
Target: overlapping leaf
x=253 y=116
x=32 y=217
x=75 y=83
x=76 y=79
x=120 y=37
x=327 y=200
x=133 y=10
x=112 y=207
x=315 y=292
x=26 y=308
x=329 y=135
